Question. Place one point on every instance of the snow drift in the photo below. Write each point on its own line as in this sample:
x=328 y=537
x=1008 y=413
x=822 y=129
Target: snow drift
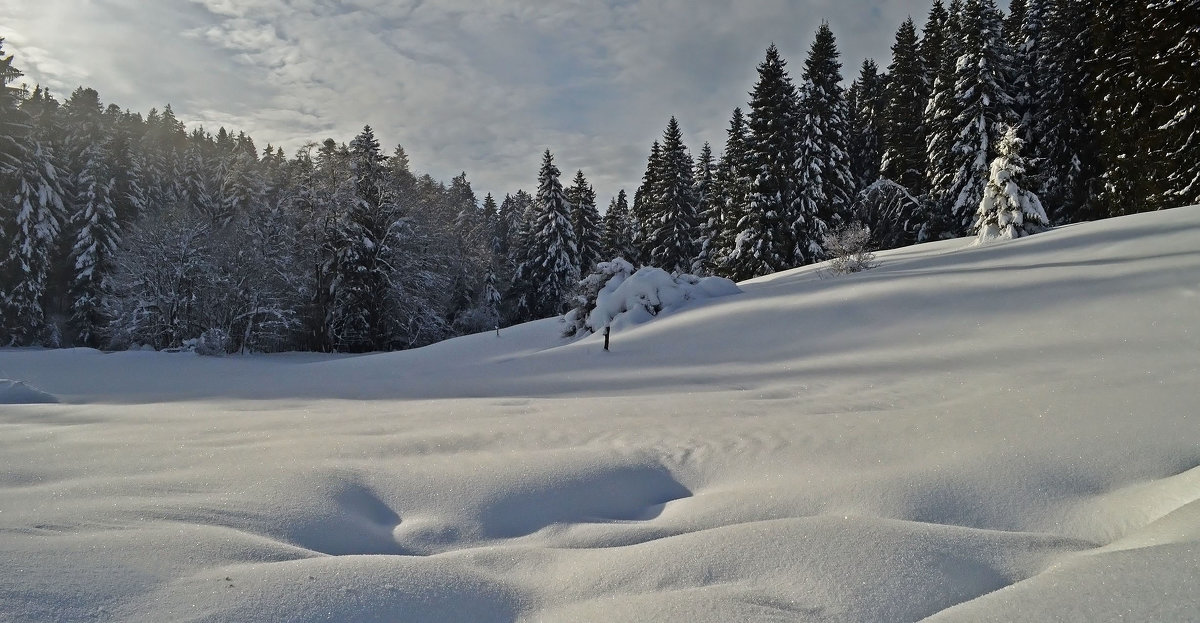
x=1003 y=432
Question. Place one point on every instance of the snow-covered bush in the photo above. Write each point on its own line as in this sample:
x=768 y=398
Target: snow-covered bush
x=849 y=249
x=623 y=297
x=213 y=343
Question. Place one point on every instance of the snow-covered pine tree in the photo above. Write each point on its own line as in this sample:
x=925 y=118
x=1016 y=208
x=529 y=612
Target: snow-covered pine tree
x=585 y=219
x=673 y=206
x=708 y=212
x=642 y=212
x=906 y=94
x=940 y=128
x=96 y=236
x=982 y=107
x=618 y=230
x=1008 y=208
x=1064 y=125
x=1014 y=23
x=1173 y=75
x=867 y=107
x=893 y=215
x=731 y=184
x=1120 y=97
x=766 y=241
x=1028 y=48
x=825 y=136
x=360 y=282
x=550 y=267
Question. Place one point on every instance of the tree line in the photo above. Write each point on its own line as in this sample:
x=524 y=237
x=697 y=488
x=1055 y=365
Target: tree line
x=124 y=230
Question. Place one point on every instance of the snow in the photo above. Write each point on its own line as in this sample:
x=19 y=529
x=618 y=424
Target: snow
x=1003 y=432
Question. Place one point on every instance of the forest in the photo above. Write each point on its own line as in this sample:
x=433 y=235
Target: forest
x=121 y=230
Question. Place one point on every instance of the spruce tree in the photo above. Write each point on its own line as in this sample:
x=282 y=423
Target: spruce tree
x=642 y=212
x=1008 y=209
x=1173 y=76
x=826 y=136
x=585 y=219
x=982 y=107
x=905 y=95
x=618 y=229
x=708 y=212
x=731 y=186
x=550 y=267
x=766 y=240
x=96 y=236
x=361 y=267
x=867 y=110
x=940 y=127
x=1063 y=123
x=673 y=206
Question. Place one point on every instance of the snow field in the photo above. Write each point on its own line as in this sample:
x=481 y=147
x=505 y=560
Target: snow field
x=1004 y=432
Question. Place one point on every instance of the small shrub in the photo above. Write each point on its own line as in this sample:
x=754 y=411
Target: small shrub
x=213 y=343
x=849 y=249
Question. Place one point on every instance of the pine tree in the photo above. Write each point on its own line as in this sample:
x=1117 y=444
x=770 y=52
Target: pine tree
x=1063 y=124
x=551 y=266
x=618 y=230
x=731 y=185
x=33 y=213
x=708 y=211
x=642 y=212
x=1008 y=208
x=905 y=95
x=1173 y=77
x=766 y=241
x=673 y=206
x=361 y=254
x=1028 y=49
x=585 y=219
x=867 y=112
x=940 y=127
x=982 y=107
x=96 y=233
x=825 y=137
x=1119 y=95
x=1015 y=23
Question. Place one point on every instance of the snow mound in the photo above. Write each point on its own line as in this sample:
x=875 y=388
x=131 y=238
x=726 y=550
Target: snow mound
x=638 y=298
x=19 y=393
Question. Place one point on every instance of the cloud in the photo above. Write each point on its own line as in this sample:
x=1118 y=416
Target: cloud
x=476 y=85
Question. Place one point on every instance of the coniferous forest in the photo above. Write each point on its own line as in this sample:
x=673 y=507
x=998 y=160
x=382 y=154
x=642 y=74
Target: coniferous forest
x=122 y=230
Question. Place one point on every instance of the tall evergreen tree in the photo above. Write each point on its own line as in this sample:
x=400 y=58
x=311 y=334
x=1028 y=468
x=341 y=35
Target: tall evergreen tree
x=642 y=212
x=1063 y=123
x=766 y=241
x=361 y=267
x=905 y=95
x=731 y=184
x=940 y=127
x=673 y=206
x=96 y=236
x=982 y=108
x=824 y=172
x=867 y=109
x=585 y=219
x=1173 y=76
x=708 y=212
x=551 y=264
x=618 y=229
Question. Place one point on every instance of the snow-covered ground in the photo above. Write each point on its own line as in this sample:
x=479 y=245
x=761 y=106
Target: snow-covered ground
x=1008 y=432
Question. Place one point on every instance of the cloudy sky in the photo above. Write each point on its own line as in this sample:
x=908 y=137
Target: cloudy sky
x=477 y=85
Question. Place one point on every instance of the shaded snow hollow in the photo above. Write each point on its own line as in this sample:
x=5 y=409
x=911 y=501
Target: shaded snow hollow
x=996 y=433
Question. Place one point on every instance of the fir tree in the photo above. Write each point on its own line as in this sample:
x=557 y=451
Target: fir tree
x=1008 y=208
x=709 y=212
x=1175 y=117
x=642 y=212
x=618 y=230
x=1063 y=122
x=585 y=219
x=867 y=112
x=766 y=242
x=672 y=207
x=905 y=97
x=551 y=264
x=982 y=107
x=825 y=135
x=96 y=235
x=731 y=185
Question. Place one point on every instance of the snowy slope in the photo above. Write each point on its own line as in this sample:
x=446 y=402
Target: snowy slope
x=1007 y=433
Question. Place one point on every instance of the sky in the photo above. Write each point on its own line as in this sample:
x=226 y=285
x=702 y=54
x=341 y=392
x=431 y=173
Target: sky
x=482 y=86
